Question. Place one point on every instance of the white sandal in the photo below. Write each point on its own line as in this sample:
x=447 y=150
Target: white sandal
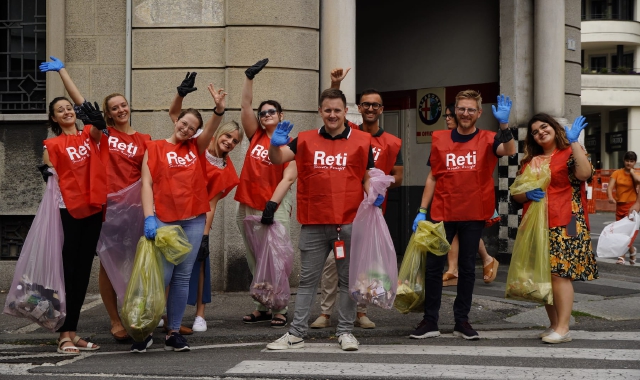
x=69 y=350
x=621 y=261
x=90 y=346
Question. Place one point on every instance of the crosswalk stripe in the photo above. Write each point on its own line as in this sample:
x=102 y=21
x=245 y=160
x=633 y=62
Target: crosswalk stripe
x=475 y=351
x=406 y=371
x=575 y=334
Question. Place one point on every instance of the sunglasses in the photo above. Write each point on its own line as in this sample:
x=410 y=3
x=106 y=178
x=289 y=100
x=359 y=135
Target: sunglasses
x=271 y=112
x=448 y=115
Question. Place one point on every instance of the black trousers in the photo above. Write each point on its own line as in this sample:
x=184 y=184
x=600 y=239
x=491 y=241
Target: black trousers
x=469 y=234
x=80 y=241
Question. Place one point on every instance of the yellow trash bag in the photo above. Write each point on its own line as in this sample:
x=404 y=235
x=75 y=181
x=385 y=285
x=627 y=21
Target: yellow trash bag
x=144 y=300
x=429 y=237
x=173 y=243
x=529 y=275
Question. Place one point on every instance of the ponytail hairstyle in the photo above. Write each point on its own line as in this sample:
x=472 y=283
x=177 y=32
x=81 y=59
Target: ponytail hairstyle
x=55 y=127
x=195 y=113
x=105 y=108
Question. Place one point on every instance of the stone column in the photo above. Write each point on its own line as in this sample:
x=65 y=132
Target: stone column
x=633 y=129
x=338 y=48
x=549 y=56
x=636 y=59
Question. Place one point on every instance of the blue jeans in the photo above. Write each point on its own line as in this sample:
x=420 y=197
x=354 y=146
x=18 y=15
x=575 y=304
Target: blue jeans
x=469 y=234
x=177 y=276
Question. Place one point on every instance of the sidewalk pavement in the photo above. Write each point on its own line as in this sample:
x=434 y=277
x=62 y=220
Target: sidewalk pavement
x=612 y=301
x=614 y=297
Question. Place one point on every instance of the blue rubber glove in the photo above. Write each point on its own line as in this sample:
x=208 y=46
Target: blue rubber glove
x=504 y=109
x=378 y=202
x=280 y=136
x=54 y=65
x=419 y=218
x=150 y=227
x=535 y=195
x=577 y=127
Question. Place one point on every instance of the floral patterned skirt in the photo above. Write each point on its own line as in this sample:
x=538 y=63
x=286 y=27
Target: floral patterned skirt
x=572 y=256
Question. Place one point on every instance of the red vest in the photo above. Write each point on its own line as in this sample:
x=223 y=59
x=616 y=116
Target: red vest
x=464 y=173
x=259 y=177
x=125 y=158
x=330 y=174
x=221 y=180
x=179 y=184
x=385 y=151
x=83 y=176
x=559 y=192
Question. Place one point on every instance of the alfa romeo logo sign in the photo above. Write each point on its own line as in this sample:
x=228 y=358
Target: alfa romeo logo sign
x=430 y=108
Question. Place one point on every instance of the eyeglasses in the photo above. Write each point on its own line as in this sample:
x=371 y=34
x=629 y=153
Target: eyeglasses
x=375 y=106
x=271 y=112
x=535 y=132
x=448 y=115
x=462 y=110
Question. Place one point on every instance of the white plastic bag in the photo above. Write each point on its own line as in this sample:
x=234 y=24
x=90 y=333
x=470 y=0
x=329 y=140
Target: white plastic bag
x=616 y=238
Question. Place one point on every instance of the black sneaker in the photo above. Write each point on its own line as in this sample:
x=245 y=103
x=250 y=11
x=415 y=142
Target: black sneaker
x=425 y=329
x=140 y=347
x=176 y=342
x=465 y=330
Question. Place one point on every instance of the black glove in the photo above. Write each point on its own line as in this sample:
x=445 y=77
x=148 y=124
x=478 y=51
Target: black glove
x=203 y=252
x=81 y=115
x=44 y=171
x=505 y=135
x=94 y=116
x=267 y=214
x=187 y=85
x=256 y=68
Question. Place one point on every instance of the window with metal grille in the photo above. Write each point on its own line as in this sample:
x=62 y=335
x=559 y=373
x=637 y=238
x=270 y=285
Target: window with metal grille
x=22 y=48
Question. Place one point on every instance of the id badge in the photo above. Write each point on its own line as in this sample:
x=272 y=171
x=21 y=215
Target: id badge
x=338 y=249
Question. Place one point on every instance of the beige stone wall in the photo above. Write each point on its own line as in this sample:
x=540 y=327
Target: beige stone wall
x=95 y=46
x=218 y=39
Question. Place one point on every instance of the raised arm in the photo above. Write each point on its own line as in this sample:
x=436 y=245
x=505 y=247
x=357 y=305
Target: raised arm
x=582 y=169
x=501 y=113
x=279 y=152
x=219 y=99
x=248 y=119
x=96 y=119
x=58 y=65
x=337 y=75
x=186 y=87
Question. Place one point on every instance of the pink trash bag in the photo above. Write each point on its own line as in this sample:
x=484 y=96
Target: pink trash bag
x=37 y=291
x=121 y=230
x=274 y=260
x=373 y=267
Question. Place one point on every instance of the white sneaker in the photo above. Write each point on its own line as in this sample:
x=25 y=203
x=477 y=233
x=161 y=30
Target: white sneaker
x=348 y=342
x=199 y=325
x=286 y=342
